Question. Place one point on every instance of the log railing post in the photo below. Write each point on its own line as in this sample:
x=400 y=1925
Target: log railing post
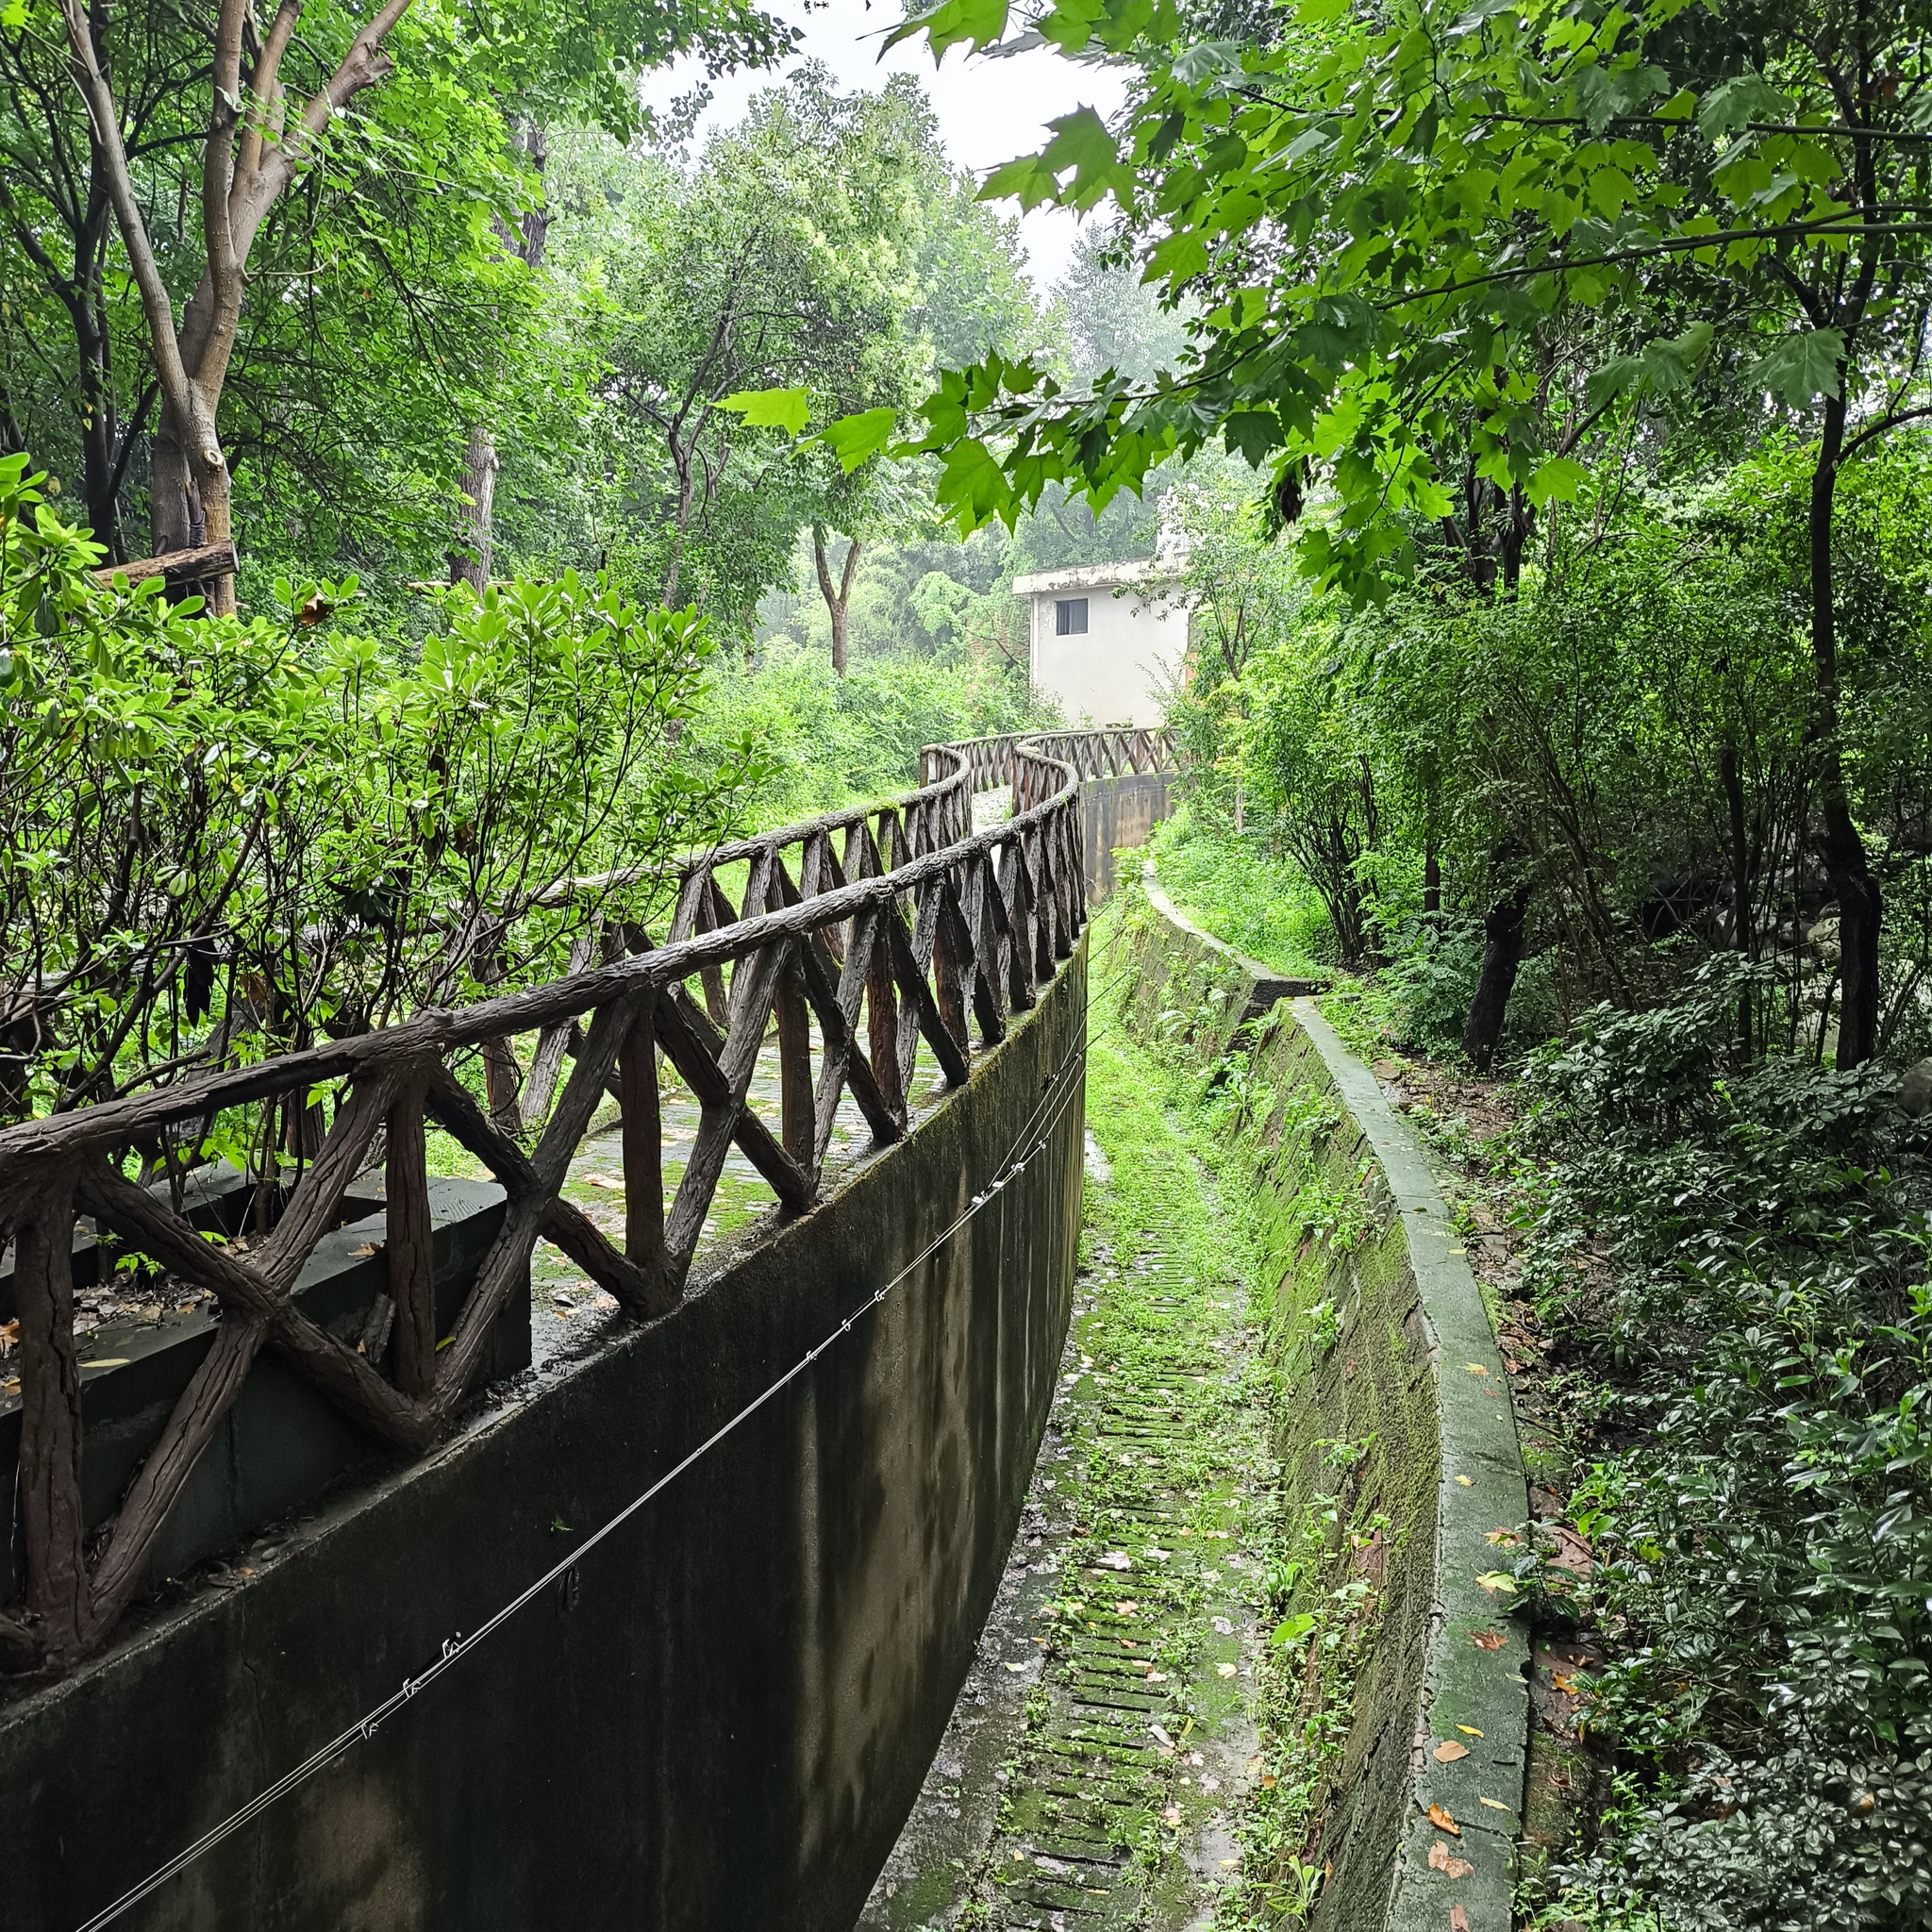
x=643 y=1143
x=797 y=1114
x=411 y=1246
x=57 y=1592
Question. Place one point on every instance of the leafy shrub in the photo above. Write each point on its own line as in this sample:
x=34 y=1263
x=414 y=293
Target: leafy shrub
x=1762 y=1516
x=224 y=837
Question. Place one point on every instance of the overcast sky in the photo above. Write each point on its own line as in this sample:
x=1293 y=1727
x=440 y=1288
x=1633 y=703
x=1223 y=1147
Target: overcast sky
x=988 y=110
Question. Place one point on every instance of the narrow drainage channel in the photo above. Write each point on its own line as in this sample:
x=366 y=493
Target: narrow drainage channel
x=1090 y=1774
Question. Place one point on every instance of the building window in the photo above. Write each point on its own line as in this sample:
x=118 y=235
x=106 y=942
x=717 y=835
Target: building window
x=1069 y=618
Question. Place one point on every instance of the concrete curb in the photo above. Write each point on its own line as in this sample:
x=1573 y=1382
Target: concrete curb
x=1474 y=1697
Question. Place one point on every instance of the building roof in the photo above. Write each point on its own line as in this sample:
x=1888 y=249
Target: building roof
x=1097 y=576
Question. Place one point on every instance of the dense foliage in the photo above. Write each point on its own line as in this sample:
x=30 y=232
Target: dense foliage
x=1738 y=1256
x=225 y=837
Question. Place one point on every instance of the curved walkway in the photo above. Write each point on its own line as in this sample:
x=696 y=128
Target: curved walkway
x=1251 y=1661
x=1103 y=1734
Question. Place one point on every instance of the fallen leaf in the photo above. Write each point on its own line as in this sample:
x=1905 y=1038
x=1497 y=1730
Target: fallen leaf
x=1468 y=1730
x=1502 y=1537
x=1566 y=1685
x=1173 y=1814
x=603 y=1180
x=1458 y=1919
x=1459 y=1868
x=1439 y=1854
x=1497 y=1582
x=1443 y=1821
x=1468 y=1482
x=1224 y=1670
x=1157 y=1676
x=1495 y=1803
x=1448 y=1752
x=1489 y=1640
x=1115 y=1559
x=1126 y=1610
x=1476 y=1368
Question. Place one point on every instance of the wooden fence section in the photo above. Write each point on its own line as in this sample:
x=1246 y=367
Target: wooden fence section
x=859 y=937
x=1091 y=754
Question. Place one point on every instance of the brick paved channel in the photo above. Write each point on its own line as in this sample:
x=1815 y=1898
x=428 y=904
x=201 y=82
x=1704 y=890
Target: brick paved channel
x=1101 y=1744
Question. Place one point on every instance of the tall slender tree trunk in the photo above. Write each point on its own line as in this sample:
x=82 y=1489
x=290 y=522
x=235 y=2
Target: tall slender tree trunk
x=469 y=557
x=1847 y=867
x=257 y=141
x=839 y=601
x=469 y=560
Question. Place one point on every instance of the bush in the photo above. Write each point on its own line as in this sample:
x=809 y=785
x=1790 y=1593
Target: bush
x=827 y=740
x=223 y=838
x=1761 y=1508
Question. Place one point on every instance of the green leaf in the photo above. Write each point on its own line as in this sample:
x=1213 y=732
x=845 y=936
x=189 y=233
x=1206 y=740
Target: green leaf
x=770 y=409
x=1252 y=433
x=1081 y=142
x=1558 y=479
x=981 y=21
x=1804 y=367
x=1744 y=98
x=854 y=439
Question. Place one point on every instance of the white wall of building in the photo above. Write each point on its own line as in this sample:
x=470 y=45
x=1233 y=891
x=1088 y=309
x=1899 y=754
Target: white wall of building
x=1136 y=639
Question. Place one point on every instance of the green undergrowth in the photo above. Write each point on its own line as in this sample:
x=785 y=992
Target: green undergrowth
x=1259 y=904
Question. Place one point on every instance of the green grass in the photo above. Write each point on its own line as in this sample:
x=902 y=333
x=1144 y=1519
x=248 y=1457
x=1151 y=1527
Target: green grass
x=1260 y=905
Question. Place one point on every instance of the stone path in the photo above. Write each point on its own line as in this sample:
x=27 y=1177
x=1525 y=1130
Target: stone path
x=1088 y=1777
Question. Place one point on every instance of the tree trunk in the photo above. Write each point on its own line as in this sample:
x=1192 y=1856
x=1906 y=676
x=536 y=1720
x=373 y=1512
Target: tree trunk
x=469 y=561
x=1502 y=955
x=250 y=155
x=188 y=507
x=838 y=602
x=1847 y=868
x=469 y=558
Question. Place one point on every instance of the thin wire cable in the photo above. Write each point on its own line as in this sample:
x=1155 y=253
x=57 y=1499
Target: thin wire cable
x=459 y=1646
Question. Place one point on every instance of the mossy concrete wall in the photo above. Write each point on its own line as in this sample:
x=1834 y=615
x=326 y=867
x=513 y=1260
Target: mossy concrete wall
x=717 y=1722
x=1118 y=814
x=1380 y=1341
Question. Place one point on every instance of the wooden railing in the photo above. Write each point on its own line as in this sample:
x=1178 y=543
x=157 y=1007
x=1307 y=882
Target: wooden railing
x=1112 y=754
x=858 y=954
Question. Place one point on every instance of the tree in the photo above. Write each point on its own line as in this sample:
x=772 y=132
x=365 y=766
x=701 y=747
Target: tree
x=284 y=105
x=803 y=268
x=1401 y=226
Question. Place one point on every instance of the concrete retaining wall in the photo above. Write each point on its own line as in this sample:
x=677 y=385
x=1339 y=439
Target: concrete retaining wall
x=1115 y=814
x=1381 y=1342
x=721 y=1718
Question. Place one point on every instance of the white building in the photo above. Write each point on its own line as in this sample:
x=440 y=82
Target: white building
x=1104 y=637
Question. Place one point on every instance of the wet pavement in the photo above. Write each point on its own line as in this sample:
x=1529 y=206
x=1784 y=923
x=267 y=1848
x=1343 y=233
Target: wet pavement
x=1086 y=1777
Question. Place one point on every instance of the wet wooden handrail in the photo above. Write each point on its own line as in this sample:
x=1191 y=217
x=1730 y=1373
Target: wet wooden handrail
x=919 y=931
